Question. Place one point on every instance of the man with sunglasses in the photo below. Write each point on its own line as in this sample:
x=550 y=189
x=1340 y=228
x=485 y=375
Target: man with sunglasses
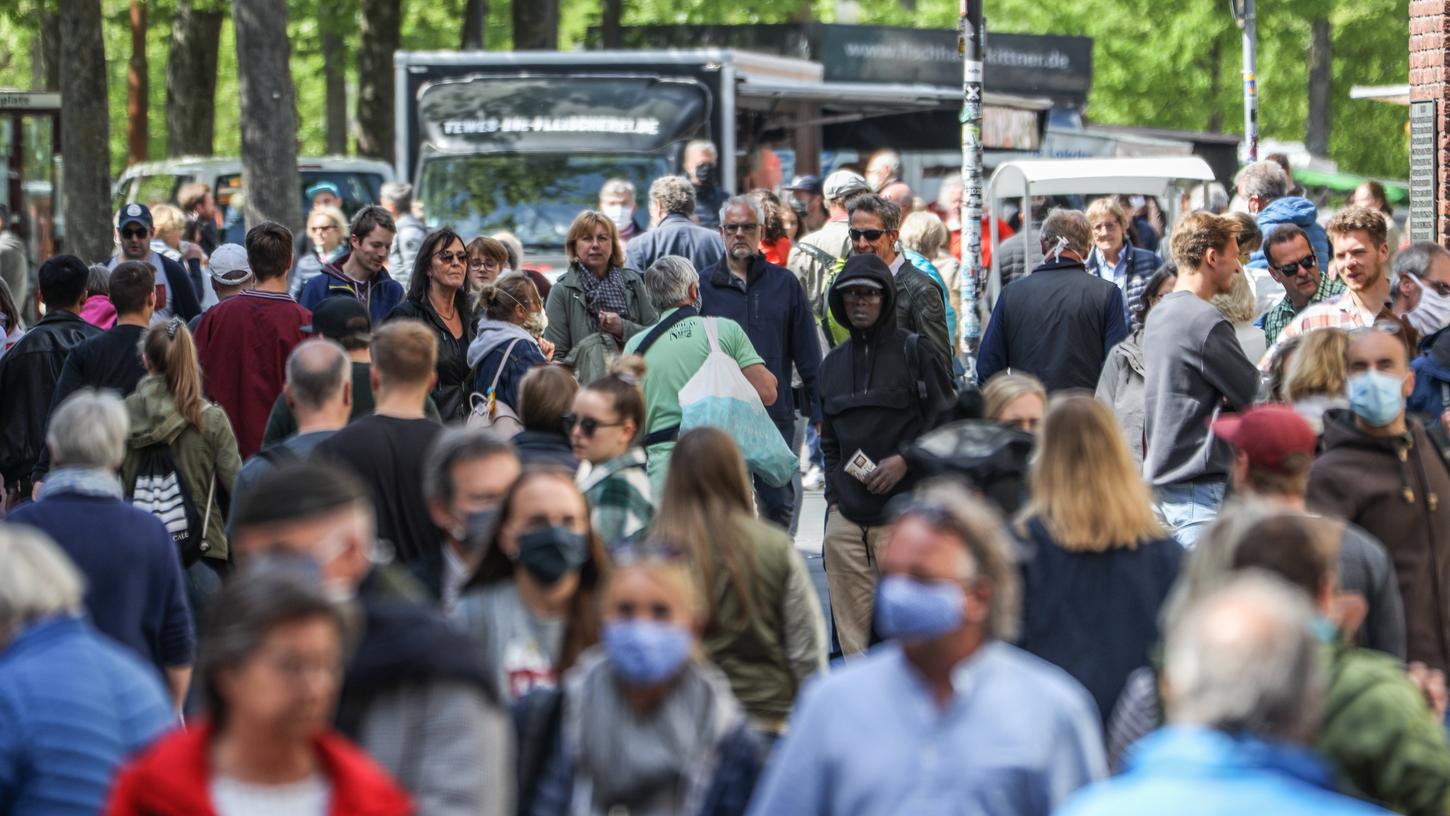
x=1294 y=265
x=175 y=294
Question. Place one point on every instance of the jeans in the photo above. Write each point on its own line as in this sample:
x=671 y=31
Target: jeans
x=813 y=441
x=1188 y=508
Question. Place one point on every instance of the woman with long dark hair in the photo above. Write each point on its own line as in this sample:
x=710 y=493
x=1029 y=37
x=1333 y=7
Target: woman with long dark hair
x=438 y=296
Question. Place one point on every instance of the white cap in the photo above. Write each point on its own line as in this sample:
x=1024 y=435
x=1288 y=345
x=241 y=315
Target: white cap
x=229 y=265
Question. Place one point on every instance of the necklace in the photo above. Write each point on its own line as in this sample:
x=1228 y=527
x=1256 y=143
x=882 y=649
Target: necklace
x=440 y=311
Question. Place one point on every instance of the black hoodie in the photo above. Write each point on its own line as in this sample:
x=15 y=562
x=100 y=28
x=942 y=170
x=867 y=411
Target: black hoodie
x=869 y=395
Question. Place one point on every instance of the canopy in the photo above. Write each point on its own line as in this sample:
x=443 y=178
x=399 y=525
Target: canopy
x=1149 y=176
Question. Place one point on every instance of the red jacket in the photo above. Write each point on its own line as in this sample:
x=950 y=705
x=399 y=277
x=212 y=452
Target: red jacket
x=172 y=778
x=243 y=343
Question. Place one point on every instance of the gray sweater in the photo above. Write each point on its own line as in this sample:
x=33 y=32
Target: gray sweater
x=1193 y=366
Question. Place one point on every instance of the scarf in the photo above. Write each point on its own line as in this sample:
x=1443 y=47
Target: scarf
x=657 y=764
x=84 y=481
x=604 y=294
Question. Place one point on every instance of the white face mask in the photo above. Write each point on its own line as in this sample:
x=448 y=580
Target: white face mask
x=536 y=323
x=1433 y=312
x=621 y=215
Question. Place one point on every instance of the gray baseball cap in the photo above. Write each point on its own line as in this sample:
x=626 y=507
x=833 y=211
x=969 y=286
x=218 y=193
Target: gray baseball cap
x=843 y=183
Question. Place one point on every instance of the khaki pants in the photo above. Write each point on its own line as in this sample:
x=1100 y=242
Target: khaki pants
x=850 y=557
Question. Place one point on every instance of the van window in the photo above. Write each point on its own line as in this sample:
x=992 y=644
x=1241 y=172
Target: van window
x=157 y=189
x=359 y=189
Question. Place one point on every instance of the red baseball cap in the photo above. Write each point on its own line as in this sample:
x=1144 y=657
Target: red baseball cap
x=1268 y=434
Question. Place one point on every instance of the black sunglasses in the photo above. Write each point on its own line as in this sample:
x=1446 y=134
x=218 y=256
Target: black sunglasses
x=131 y=233
x=868 y=234
x=861 y=293
x=1292 y=267
x=587 y=425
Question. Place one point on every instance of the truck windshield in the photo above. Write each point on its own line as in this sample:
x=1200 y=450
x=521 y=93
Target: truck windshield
x=534 y=196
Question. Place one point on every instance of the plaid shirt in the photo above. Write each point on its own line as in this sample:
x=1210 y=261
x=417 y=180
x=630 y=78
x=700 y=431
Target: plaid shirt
x=620 y=498
x=1341 y=313
x=1283 y=313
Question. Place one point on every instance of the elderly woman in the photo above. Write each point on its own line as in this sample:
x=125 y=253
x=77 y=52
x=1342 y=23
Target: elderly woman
x=925 y=234
x=75 y=702
x=598 y=304
x=1113 y=258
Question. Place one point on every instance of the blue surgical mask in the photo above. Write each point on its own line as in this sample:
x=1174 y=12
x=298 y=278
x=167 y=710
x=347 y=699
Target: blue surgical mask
x=909 y=609
x=645 y=652
x=1376 y=398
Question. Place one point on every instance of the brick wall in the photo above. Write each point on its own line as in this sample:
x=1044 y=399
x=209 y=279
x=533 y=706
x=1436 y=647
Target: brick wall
x=1429 y=73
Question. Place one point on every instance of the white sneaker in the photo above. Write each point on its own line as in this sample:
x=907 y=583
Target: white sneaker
x=814 y=479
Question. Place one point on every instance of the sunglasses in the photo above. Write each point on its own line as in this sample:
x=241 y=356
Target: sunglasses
x=587 y=425
x=1292 y=267
x=450 y=257
x=132 y=233
x=861 y=294
x=734 y=228
x=869 y=234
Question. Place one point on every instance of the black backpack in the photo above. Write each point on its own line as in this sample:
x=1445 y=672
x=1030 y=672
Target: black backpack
x=160 y=491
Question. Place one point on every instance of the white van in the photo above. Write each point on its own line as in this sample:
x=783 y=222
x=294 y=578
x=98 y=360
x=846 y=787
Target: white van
x=360 y=180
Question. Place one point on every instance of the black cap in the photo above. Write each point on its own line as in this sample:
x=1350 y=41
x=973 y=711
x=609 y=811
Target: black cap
x=805 y=184
x=133 y=213
x=344 y=319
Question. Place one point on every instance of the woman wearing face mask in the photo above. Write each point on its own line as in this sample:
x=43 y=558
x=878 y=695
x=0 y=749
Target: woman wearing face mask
x=507 y=345
x=1098 y=564
x=533 y=605
x=765 y=628
x=642 y=725
x=270 y=665
x=598 y=304
x=604 y=429
x=437 y=296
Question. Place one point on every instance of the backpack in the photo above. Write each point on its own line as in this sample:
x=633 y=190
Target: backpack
x=160 y=491
x=490 y=414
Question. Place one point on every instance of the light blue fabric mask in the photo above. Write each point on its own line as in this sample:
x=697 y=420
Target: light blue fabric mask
x=1375 y=397
x=914 y=610
x=644 y=652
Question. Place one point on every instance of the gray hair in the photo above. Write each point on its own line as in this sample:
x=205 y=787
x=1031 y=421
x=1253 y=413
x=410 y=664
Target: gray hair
x=668 y=282
x=1415 y=259
x=617 y=186
x=38 y=580
x=99 y=283
x=1265 y=179
x=89 y=430
x=1071 y=225
x=317 y=370
x=397 y=193
x=923 y=232
x=1244 y=660
x=888 y=157
x=702 y=146
x=744 y=201
x=455 y=446
x=882 y=208
x=673 y=194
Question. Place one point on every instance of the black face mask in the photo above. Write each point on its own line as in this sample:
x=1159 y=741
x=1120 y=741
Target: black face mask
x=705 y=174
x=551 y=552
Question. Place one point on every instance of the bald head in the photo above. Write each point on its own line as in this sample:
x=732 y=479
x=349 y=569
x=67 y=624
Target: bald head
x=898 y=193
x=319 y=381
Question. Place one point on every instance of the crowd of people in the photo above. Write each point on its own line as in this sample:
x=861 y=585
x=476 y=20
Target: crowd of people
x=381 y=520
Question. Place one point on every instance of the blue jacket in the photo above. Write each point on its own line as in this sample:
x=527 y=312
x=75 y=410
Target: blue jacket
x=135 y=591
x=381 y=296
x=675 y=235
x=487 y=352
x=1300 y=212
x=772 y=307
x=73 y=708
x=1432 y=378
x=928 y=268
x=1197 y=772
x=1142 y=263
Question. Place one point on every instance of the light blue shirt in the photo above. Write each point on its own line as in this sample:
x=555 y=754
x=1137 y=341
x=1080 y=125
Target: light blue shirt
x=1098 y=265
x=1017 y=739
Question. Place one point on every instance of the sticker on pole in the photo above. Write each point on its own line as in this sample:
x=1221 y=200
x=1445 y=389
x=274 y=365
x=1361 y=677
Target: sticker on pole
x=973 y=71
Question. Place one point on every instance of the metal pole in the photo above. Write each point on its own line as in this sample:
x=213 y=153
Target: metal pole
x=1248 y=21
x=970 y=45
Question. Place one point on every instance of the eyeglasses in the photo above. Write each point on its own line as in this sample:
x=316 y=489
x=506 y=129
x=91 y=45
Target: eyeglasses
x=450 y=257
x=861 y=294
x=587 y=425
x=872 y=235
x=734 y=228
x=483 y=263
x=1292 y=268
x=322 y=228
x=133 y=233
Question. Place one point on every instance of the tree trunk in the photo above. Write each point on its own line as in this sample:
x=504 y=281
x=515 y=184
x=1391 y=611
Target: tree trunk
x=334 y=73
x=378 y=37
x=137 y=119
x=85 y=133
x=1215 y=79
x=1321 y=81
x=536 y=25
x=269 y=113
x=475 y=18
x=610 y=25
x=45 y=52
x=191 y=78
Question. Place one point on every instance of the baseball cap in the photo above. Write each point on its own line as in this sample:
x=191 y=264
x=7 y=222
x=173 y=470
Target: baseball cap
x=133 y=213
x=842 y=183
x=805 y=184
x=228 y=265
x=1268 y=434
x=341 y=318
x=322 y=187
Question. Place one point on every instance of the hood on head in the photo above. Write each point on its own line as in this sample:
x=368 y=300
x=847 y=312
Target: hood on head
x=1295 y=210
x=868 y=267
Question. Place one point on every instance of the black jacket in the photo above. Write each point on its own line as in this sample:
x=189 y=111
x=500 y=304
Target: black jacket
x=545 y=447
x=185 y=303
x=28 y=374
x=870 y=400
x=451 y=391
x=110 y=360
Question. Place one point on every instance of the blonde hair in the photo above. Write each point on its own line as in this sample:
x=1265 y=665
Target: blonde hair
x=1085 y=487
x=332 y=214
x=167 y=220
x=583 y=225
x=923 y=232
x=1004 y=388
x=171 y=353
x=1237 y=305
x=674 y=572
x=1318 y=367
x=1107 y=205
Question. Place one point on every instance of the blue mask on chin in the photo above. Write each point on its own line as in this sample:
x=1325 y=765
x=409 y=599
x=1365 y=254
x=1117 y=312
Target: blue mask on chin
x=646 y=653
x=908 y=609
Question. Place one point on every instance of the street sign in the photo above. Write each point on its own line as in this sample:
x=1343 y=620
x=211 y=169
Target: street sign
x=29 y=101
x=1424 y=178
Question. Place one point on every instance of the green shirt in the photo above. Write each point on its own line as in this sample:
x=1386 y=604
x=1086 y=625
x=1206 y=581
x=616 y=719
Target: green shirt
x=669 y=364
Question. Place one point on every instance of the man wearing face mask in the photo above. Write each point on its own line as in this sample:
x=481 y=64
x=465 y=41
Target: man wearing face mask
x=465 y=479
x=905 y=729
x=1381 y=471
x=1421 y=290
x=617 y=202
x=415 y=695
x=701 y=166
